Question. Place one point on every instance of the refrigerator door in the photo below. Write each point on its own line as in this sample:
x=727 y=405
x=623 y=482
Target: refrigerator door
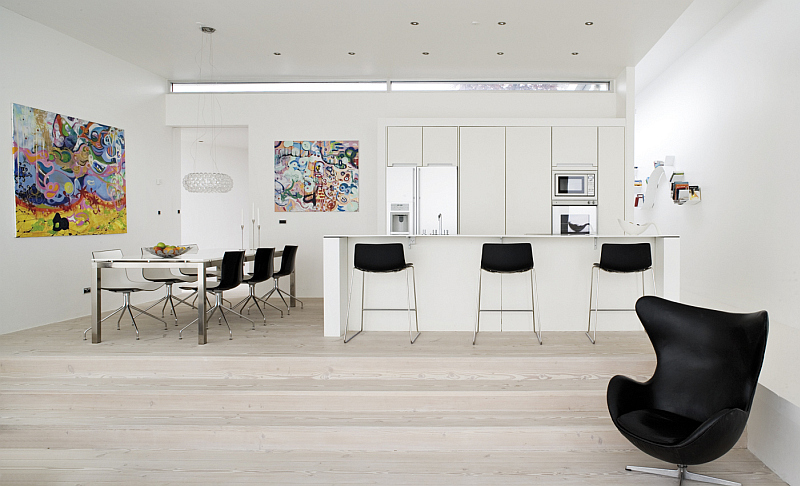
x=437 y=211
x=400 y=190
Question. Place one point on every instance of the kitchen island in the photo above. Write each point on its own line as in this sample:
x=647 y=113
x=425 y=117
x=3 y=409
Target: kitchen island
x=447 y=270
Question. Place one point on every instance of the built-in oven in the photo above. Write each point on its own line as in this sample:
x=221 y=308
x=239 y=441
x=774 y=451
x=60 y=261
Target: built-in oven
x=571 y=219
x=575 y=185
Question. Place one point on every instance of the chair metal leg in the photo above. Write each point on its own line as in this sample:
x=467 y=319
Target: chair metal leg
x=349 y=300
x=681 y=473
x=593 y=339
x=287 y=294
x=478 y=320
x=133 y=320
x=535 y=305
x=408 y=300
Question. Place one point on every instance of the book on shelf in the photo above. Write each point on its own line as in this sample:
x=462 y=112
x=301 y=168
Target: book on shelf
x=677 y=177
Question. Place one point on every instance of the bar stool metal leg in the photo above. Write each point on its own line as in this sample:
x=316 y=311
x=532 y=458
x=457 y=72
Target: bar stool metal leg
x=534 y=306
x=478 y=320
x=416 y=318
x=349 y=301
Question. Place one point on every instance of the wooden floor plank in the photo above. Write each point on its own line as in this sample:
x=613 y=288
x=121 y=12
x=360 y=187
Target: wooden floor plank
x=282 y=404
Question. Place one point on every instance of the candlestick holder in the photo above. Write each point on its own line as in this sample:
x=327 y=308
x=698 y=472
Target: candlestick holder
x=253 y=233
x=259 y=235
x=242 y=236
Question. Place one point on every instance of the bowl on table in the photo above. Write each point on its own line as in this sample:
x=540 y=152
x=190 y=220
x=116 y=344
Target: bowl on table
x=167 y=251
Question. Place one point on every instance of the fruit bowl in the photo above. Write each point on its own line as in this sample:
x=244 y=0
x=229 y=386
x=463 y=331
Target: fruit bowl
x=166 y=251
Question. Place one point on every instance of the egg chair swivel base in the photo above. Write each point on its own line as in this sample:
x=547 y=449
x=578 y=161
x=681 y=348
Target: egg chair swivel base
x=695 y=407
x=382 y=258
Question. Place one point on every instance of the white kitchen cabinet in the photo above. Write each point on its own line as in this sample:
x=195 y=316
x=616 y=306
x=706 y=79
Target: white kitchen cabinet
x=610 y=179
x=440 y=145
x=404 y=145
x=574 y=146
x=528 y=180
x=482 y=180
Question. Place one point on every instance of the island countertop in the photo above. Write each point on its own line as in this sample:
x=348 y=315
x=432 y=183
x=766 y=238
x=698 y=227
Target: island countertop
x=447 y=269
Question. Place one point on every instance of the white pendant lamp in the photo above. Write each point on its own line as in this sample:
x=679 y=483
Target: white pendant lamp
x=207 y=182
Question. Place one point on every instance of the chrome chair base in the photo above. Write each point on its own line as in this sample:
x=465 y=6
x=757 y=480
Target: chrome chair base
x=681 y=473
x=222 y=311
x=126 y=305
x=408 y=309
x=256 y=299
x=534 y=306
x=281 y=293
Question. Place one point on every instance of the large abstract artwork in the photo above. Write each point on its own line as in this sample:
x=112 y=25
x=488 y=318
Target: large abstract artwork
x=316 y=176
x=69 y=175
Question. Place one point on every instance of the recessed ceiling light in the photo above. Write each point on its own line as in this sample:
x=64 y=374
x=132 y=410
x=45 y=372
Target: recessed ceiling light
x=501 y=23
x=276 y=53
x=589 y=23
x=351 y=53
x=500 y=53
x=425 y=53
x=574 y=53
x=414 y=23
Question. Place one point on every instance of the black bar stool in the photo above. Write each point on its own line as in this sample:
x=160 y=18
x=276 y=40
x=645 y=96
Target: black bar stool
x=381 y=258
x=618 y=258
x=508 y=258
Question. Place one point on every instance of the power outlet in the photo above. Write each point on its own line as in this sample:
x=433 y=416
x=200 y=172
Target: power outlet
x=86 y=290
x=281 y=221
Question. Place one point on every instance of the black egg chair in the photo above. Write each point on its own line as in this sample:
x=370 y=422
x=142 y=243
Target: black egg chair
x=695 y=407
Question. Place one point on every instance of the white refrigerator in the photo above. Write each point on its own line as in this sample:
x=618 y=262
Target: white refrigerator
x=422 y=200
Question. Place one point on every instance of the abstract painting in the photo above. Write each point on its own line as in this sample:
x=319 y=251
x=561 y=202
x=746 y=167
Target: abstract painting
x=69 y=175
x=316 y=176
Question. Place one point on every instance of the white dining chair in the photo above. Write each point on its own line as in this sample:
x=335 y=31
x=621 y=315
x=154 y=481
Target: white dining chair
x=117 y=280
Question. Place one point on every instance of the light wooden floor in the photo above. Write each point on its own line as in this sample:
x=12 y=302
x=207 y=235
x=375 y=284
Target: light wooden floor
x=281 y=404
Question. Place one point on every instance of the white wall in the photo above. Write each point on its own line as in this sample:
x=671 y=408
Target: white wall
x=215 y=220
x=727 y=110
x=355 y=116
x=44 y=277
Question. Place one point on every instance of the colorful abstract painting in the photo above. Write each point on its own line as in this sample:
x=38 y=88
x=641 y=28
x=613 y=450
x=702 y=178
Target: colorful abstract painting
x=316 y=176
x=69 y=175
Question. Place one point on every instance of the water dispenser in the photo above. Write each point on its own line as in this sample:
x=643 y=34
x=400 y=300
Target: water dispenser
x=399 y=219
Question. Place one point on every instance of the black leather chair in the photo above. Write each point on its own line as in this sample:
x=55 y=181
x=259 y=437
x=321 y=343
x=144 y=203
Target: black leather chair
x=230 y=278
x=508 y=258
x=618 y=258
x=381 y=258
x=696 y=405
x=263 y=270
x=287 y=267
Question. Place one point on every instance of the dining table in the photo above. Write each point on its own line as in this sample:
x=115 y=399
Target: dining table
x=201 y=261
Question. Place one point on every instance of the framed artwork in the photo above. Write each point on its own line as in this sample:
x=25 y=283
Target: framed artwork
x=316 y=176
x=69 y=175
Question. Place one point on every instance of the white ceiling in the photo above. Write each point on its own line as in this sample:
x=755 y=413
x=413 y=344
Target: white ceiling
x=314 y=37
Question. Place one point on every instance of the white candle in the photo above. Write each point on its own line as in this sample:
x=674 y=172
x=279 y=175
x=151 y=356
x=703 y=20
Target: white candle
x=242 y=217
x=258 y=216
x=253 y=214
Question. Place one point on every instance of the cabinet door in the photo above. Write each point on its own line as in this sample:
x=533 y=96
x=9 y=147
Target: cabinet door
x=528 y=185
x=404 y=145
x=574 y=146
x=610 y=179
x=482 y=180
x=440 y=145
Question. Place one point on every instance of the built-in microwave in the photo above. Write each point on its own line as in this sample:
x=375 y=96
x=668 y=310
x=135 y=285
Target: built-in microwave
x=575 y=185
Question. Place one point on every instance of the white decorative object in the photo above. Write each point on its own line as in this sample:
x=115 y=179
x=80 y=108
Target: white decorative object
x=630 y=228
x=207 y=182
x=652 y=184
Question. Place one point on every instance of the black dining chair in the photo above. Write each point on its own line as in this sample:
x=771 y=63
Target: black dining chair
x=381 y=258
x=230 y=278
x=263 y=269
x=696 y=405
x=617 y=258
x=505 y=259
x=287 y=267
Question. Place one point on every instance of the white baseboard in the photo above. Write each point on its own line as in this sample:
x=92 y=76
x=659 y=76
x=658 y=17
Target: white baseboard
x=773 y=434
